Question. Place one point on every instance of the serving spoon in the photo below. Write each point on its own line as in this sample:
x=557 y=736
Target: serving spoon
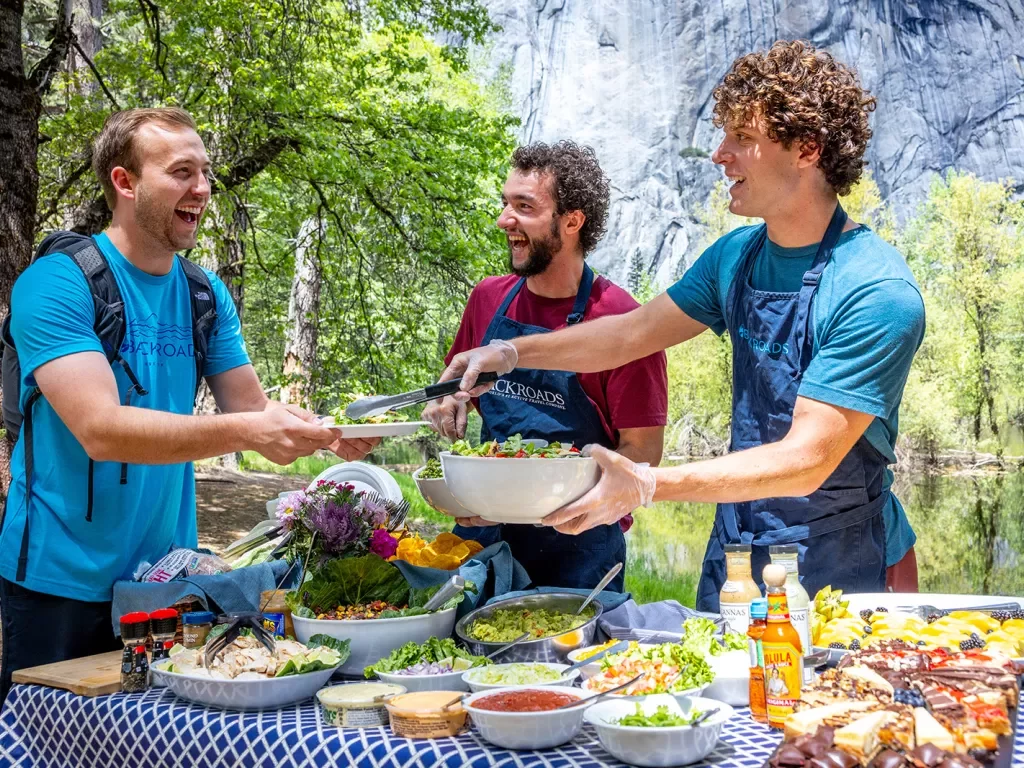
x=517 y=641
x=600 y=585
x=591 y=699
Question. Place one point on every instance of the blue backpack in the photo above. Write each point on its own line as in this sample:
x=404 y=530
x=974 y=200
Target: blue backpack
x=110 y=328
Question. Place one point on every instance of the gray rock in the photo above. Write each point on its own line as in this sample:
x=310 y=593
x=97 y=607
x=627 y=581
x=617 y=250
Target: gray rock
x=633 y=78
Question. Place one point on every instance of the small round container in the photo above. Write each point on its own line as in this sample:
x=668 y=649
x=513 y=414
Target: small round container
x=423 y=715
x=195 y=627
x=356 y=705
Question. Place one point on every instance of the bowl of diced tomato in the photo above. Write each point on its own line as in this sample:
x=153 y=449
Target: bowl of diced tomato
x=517 y=481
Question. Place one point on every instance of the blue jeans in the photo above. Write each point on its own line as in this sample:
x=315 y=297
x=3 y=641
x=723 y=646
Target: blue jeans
x=40 y=629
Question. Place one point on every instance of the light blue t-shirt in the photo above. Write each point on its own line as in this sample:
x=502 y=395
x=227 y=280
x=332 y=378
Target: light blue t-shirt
x=868 y=323
x=52 y=316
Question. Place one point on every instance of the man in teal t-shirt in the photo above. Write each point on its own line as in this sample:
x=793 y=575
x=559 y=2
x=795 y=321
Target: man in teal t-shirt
x=824 y=318
x=154 y=172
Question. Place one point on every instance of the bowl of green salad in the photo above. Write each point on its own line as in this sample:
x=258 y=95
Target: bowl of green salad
x=658 y=731
x=432 y=487
x=518 y=480
x=549 y=617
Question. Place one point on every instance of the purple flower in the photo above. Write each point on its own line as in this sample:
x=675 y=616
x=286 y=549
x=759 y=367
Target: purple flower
x=335 y=524
x=383 y=544
x=289 y=507
x=373 y=513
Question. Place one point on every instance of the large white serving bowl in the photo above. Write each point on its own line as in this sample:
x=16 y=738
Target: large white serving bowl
x=449 y=681
x=436 y=493
x=266 y=693
x=373 y=639
x=658 y=747
x=732 y=678
x=477 y=686
x=526 y=730
x=517 y=490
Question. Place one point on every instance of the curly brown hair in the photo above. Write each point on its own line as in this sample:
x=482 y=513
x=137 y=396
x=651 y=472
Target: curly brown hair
x=579 y=183
x=801 y=94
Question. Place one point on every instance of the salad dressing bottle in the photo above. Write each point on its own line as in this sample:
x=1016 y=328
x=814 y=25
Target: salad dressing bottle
x=783 y=652
x=799 y=601
x=739 y=588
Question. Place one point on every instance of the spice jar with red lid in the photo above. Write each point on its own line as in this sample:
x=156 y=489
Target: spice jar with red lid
x=163 y=626
x=134 y=631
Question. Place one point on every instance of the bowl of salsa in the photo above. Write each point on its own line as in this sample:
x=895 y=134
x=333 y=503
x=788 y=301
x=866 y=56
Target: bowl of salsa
x=527 y=718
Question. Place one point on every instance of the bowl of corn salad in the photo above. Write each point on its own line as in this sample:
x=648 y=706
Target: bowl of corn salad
x=370 y=638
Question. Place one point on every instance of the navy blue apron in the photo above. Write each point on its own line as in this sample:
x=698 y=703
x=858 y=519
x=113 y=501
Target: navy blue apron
x=838 y=528
x=548 y=405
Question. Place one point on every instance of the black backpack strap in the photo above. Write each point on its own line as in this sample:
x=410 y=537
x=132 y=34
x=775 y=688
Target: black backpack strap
x=204 y=313
x=29 y=471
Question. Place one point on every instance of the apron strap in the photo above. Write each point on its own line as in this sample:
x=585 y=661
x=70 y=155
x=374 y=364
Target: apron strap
x=582 y=296
x=805 y=317
x=579 y=306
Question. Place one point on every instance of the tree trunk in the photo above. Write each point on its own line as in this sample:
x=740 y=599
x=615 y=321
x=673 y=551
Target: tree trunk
x=303 y=316
x=223 y=249
x=21 y=103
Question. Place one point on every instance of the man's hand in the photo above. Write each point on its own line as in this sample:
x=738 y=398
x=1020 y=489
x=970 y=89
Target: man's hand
x=623 y=487
x=350 y=449
x=448 y=417
x=499 y=356
x=283 y=433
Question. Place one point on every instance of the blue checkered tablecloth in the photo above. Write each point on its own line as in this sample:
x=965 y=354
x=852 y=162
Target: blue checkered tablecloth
x=43 y=727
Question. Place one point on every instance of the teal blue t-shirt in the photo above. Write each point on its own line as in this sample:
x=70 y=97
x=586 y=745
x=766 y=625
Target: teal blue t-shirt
x=868 y=323
x=52 y=316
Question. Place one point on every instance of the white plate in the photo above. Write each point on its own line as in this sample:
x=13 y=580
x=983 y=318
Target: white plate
x=270 y=693
x=364 y=477
x=398 y=429
x=942 y=600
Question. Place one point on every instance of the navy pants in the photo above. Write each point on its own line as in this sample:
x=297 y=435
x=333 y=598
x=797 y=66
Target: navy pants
x=40 y=629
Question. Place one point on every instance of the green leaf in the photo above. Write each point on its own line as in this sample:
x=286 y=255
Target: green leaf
x=354 y=581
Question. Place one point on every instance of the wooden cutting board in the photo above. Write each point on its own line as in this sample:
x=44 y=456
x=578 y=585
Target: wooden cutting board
x=88 y=676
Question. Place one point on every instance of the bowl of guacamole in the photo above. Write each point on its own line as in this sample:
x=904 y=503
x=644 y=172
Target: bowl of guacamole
x=549 y=618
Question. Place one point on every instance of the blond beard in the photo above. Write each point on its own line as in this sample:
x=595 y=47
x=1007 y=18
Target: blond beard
x=158 y=223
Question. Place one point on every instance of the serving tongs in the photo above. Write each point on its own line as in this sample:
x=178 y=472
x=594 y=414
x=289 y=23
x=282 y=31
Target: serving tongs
x=366 y=407
x=236 y=622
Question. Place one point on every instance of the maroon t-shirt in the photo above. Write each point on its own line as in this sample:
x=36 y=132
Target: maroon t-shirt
x=631 y=396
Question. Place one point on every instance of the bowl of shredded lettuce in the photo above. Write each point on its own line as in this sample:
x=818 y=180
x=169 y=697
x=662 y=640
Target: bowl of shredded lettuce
x=517 y=481
x=518 y=673
x=436 y=665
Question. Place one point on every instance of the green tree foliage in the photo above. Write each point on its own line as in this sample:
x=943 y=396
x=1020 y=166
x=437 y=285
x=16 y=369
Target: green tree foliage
x=346 y=113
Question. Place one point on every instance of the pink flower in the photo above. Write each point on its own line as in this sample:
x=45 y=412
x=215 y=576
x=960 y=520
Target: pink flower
x=383 y=544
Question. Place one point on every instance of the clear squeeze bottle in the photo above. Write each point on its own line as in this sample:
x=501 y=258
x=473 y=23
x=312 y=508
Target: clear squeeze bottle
x=739 y=588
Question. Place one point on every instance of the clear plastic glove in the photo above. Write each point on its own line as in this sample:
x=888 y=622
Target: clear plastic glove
x=448 y=417
x=624 y=486
x=499 y=356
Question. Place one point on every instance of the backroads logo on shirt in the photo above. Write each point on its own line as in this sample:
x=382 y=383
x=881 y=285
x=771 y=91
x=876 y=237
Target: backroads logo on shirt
x=527 y=394
x=151 y=338
x=772 y=348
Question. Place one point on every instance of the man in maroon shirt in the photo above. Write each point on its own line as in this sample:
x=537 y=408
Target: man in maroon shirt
x=555 y=209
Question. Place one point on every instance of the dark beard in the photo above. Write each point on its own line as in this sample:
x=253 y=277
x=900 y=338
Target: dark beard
x=542 y=253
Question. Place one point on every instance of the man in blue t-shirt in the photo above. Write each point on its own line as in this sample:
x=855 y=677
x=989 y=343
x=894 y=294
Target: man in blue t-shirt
x=112 y=484
x=825 y=319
